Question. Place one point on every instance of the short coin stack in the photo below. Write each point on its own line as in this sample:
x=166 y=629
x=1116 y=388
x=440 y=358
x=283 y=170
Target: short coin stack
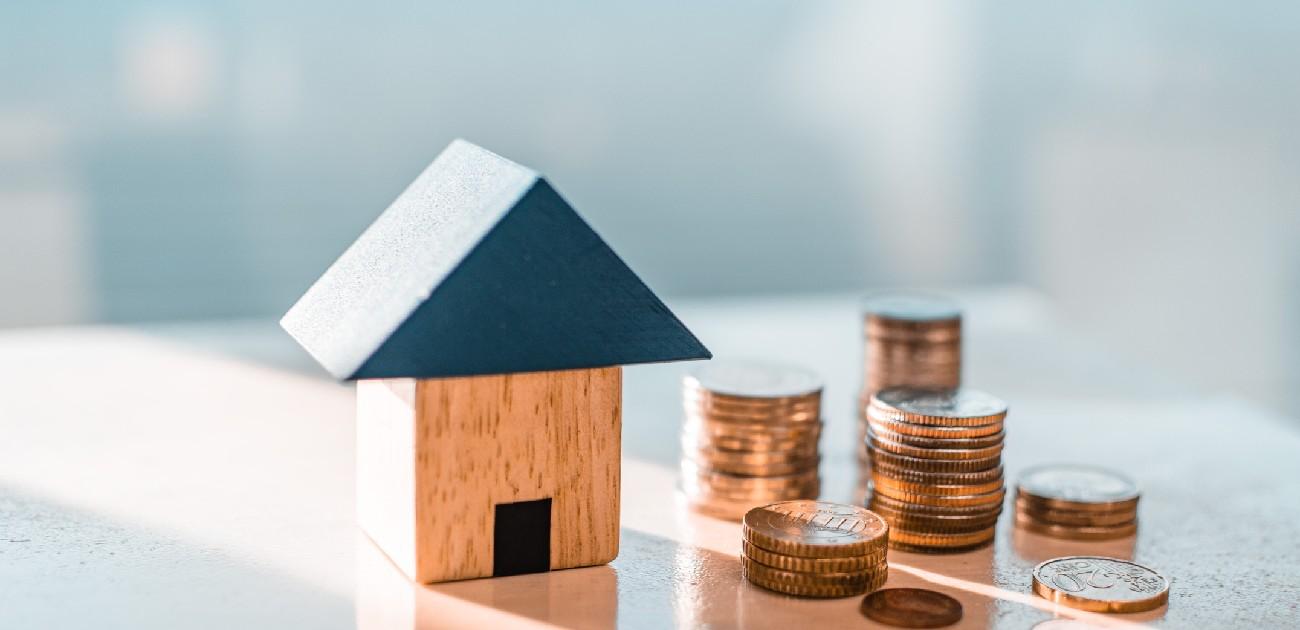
x=750 y=437
x=936 y=467
x=1076 y=502
x=911 y=341
x=815 y=549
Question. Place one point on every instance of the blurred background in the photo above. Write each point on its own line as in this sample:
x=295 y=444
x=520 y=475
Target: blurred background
x=1136 y=163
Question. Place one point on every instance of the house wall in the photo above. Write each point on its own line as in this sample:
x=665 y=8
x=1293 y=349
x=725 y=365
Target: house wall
x=485 y=440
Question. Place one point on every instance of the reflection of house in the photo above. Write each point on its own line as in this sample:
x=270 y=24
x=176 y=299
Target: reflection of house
x=485 y=322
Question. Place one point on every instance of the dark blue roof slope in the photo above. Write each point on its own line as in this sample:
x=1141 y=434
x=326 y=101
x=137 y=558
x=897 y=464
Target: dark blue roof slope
x=480 y=267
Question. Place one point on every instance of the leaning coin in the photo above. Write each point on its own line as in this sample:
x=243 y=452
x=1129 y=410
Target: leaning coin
x=911 y=608
x=815 y=529
x=1100 y=584
x=1078 y=487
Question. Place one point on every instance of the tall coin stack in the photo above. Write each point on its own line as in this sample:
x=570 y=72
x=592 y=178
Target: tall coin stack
x=911 y=341
x=1076 y=502
x=815 y=549
x=936 y=466
x=750 y=437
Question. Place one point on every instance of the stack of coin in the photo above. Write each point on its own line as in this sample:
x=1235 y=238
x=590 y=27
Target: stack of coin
x=750 y=437
x=1076 y=502
x=936 y=466
x=815 y=549
x=911 y=341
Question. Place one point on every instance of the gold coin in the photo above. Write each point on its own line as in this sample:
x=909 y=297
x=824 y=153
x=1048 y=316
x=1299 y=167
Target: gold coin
x=1100 y=584
x=815 y=529
x=955 y=479
x=962 y=407
x=881 y=481
x=925 y=430
x=813 y=584
x=911 y=608
x=824 y=592
x=954 y=500
x=1076 y=532
x=1078 y=487
x=909 y=521
x=848 y=564
x=941 y=540
x=1074 y=517
x=899 y=448
x=919 y=441
x=933 y=465
x=878 y=500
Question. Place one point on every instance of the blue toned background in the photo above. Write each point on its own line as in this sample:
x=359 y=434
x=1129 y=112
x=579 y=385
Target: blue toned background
x=1137 y=163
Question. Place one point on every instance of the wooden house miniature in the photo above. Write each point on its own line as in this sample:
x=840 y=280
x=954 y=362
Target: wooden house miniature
x=485 y=324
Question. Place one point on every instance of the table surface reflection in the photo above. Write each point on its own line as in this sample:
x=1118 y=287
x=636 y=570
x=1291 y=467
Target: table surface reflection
x=201 y=476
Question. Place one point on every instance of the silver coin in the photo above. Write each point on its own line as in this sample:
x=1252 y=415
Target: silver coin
x=1077 y=483
x=961 y=403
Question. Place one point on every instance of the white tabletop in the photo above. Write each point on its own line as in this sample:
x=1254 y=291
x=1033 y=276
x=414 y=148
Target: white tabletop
x=201 y=476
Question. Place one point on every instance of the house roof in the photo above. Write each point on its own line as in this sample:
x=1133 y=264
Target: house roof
x=480 y=267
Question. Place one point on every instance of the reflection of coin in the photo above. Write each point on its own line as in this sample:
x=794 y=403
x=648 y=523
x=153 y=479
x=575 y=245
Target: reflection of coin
x=962 y=407
x=1100 y=584
x=911 y=608
x=1077 y=487
x=815 y=529
x=848 y=564
x=754 y=379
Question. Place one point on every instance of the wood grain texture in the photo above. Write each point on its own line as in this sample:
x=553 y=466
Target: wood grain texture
x=431 y=471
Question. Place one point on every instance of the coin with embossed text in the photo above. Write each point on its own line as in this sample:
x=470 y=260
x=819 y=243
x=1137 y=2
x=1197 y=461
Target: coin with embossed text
x=1100 y=584
x=815 y=529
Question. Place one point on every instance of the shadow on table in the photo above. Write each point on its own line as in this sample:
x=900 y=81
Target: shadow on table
x=62 y=567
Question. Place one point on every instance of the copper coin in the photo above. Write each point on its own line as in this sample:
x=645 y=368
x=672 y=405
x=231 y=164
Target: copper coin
x=925 y=430
x=899 y=448
x=934 y=465
x=815 y=529
x=884 y=432
x=1100 y=584
x=1074 y=517
x=880 y=500
x=956 y=479
x=911 y=608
